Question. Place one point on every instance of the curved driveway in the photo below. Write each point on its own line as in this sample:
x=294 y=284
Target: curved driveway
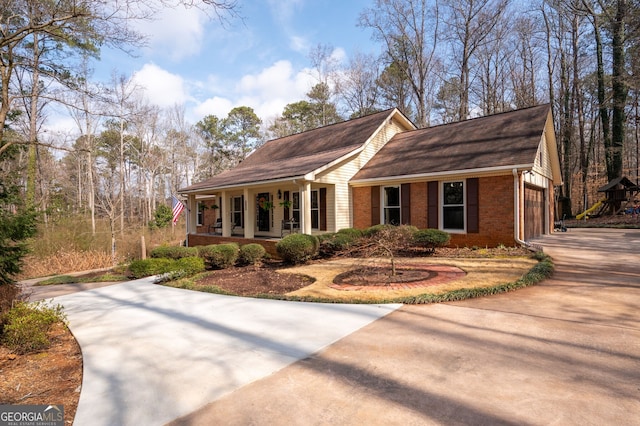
x=153 y=353
x=565 y=352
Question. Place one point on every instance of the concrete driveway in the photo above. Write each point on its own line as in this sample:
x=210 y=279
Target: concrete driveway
x=153 y=353
x=566 y=352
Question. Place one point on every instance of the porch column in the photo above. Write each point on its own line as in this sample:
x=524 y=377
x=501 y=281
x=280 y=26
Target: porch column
x=249 y=214
x=225 y=215
x=305 y=207
x=192 y=214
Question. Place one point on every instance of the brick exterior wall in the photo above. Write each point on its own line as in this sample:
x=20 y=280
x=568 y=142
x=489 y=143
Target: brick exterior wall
x=496 y=213
x=361 y=207
x=209 y=218
x=419 y=204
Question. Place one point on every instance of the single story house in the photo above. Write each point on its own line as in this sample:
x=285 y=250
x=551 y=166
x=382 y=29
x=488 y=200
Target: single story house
x=486 y=181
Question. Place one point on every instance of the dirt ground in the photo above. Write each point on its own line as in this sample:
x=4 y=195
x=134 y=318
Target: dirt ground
x=53 y=376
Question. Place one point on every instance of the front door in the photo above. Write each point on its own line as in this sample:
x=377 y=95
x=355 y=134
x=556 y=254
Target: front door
x=263 y=213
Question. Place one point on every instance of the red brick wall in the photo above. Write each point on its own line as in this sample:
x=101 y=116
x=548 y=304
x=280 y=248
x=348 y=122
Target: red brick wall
x=495 y=212
x=361 y=207
x=419 y=204
x=210 y=216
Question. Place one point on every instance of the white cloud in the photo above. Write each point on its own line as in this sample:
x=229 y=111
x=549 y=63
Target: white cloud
x=299 y=44
x=339 y=55
x=176 y=34
x=217 y=106
x=283 y=10
x=267 y=92
x=161 y=87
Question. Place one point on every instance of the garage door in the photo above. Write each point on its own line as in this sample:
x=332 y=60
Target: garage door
x=533 y=212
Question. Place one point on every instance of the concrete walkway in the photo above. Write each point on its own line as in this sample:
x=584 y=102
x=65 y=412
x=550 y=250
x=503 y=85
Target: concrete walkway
x=154 y=353
x=566 y=352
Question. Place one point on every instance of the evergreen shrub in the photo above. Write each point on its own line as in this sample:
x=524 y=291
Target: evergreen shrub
x=219 y=256
x=251 y=254
x=298 y=248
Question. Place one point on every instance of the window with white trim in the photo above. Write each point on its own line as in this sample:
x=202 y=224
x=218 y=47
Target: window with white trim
x=200 y=215
x=295 y=206
x=391 y=205
x=236 y=212
x=315 y=210
x=453 y=206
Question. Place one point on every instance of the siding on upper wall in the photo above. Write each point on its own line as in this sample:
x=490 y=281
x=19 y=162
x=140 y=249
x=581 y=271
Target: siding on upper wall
x=542 y=164
x=339 y=176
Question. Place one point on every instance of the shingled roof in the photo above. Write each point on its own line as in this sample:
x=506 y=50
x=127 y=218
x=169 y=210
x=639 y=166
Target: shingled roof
x=299 y=154
x=498 y=141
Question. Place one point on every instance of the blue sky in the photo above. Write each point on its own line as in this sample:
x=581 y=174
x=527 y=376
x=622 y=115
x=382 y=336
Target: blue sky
x=261 y=61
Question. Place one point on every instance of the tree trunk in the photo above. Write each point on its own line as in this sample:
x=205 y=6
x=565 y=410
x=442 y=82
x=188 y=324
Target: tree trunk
x=620 y=90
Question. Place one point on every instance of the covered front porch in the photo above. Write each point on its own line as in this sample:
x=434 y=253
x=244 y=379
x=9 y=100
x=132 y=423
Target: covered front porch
x=261 y=212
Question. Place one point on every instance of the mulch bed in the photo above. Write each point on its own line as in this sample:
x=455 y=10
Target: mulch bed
x=253 y=281
x=407 y=277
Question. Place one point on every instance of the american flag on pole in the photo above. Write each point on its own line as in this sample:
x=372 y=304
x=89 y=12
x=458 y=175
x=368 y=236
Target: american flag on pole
x=177 y=208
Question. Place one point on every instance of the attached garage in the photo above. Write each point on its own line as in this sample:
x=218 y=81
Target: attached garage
x=534 y=217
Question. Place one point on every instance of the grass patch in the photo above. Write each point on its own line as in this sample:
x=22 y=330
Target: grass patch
x=108 y=277
x=59 y=279
x=68 y=279
x=188 y=283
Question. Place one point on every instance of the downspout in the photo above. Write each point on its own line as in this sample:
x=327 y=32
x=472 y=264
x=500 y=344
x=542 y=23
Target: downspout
x=516 y=202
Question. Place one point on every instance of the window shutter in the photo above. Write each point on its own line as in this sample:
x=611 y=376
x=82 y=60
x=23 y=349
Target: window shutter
x=405 y=207
x=375 y=205
x=432 y=206
x=473 y=219
x=323 y=208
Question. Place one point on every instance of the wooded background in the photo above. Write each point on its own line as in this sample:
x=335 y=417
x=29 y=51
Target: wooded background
x=442 y=61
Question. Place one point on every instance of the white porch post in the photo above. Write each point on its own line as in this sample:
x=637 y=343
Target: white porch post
x=226 y=212
x=192 y=213
x=305 y=201
x=249 y=214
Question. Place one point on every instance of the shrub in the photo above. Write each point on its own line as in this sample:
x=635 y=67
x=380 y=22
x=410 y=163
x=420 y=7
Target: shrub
x=353 y=233
x=298 y=248
x=190 y=265
x=219 y=256
x=147 y=267
x=332 y=244
x=372 y=230
x=431 y=239
x=174 y=252
x=25 y=326
x=251 y=254
x=181 y=268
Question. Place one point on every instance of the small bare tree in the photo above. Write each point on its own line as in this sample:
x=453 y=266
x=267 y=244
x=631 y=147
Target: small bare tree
x=387 y=241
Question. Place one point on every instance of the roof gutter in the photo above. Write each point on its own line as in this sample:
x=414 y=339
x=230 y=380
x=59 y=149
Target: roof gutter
x=488 y=171
x=242 y=185
x=516 y=209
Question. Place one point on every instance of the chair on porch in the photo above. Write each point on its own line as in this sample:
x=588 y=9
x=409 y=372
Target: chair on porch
x=290 y=226
x=217 y=227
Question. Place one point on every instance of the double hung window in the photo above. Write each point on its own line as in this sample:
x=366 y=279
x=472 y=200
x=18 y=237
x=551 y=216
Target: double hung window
x=391 y=205
x=453 y=206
